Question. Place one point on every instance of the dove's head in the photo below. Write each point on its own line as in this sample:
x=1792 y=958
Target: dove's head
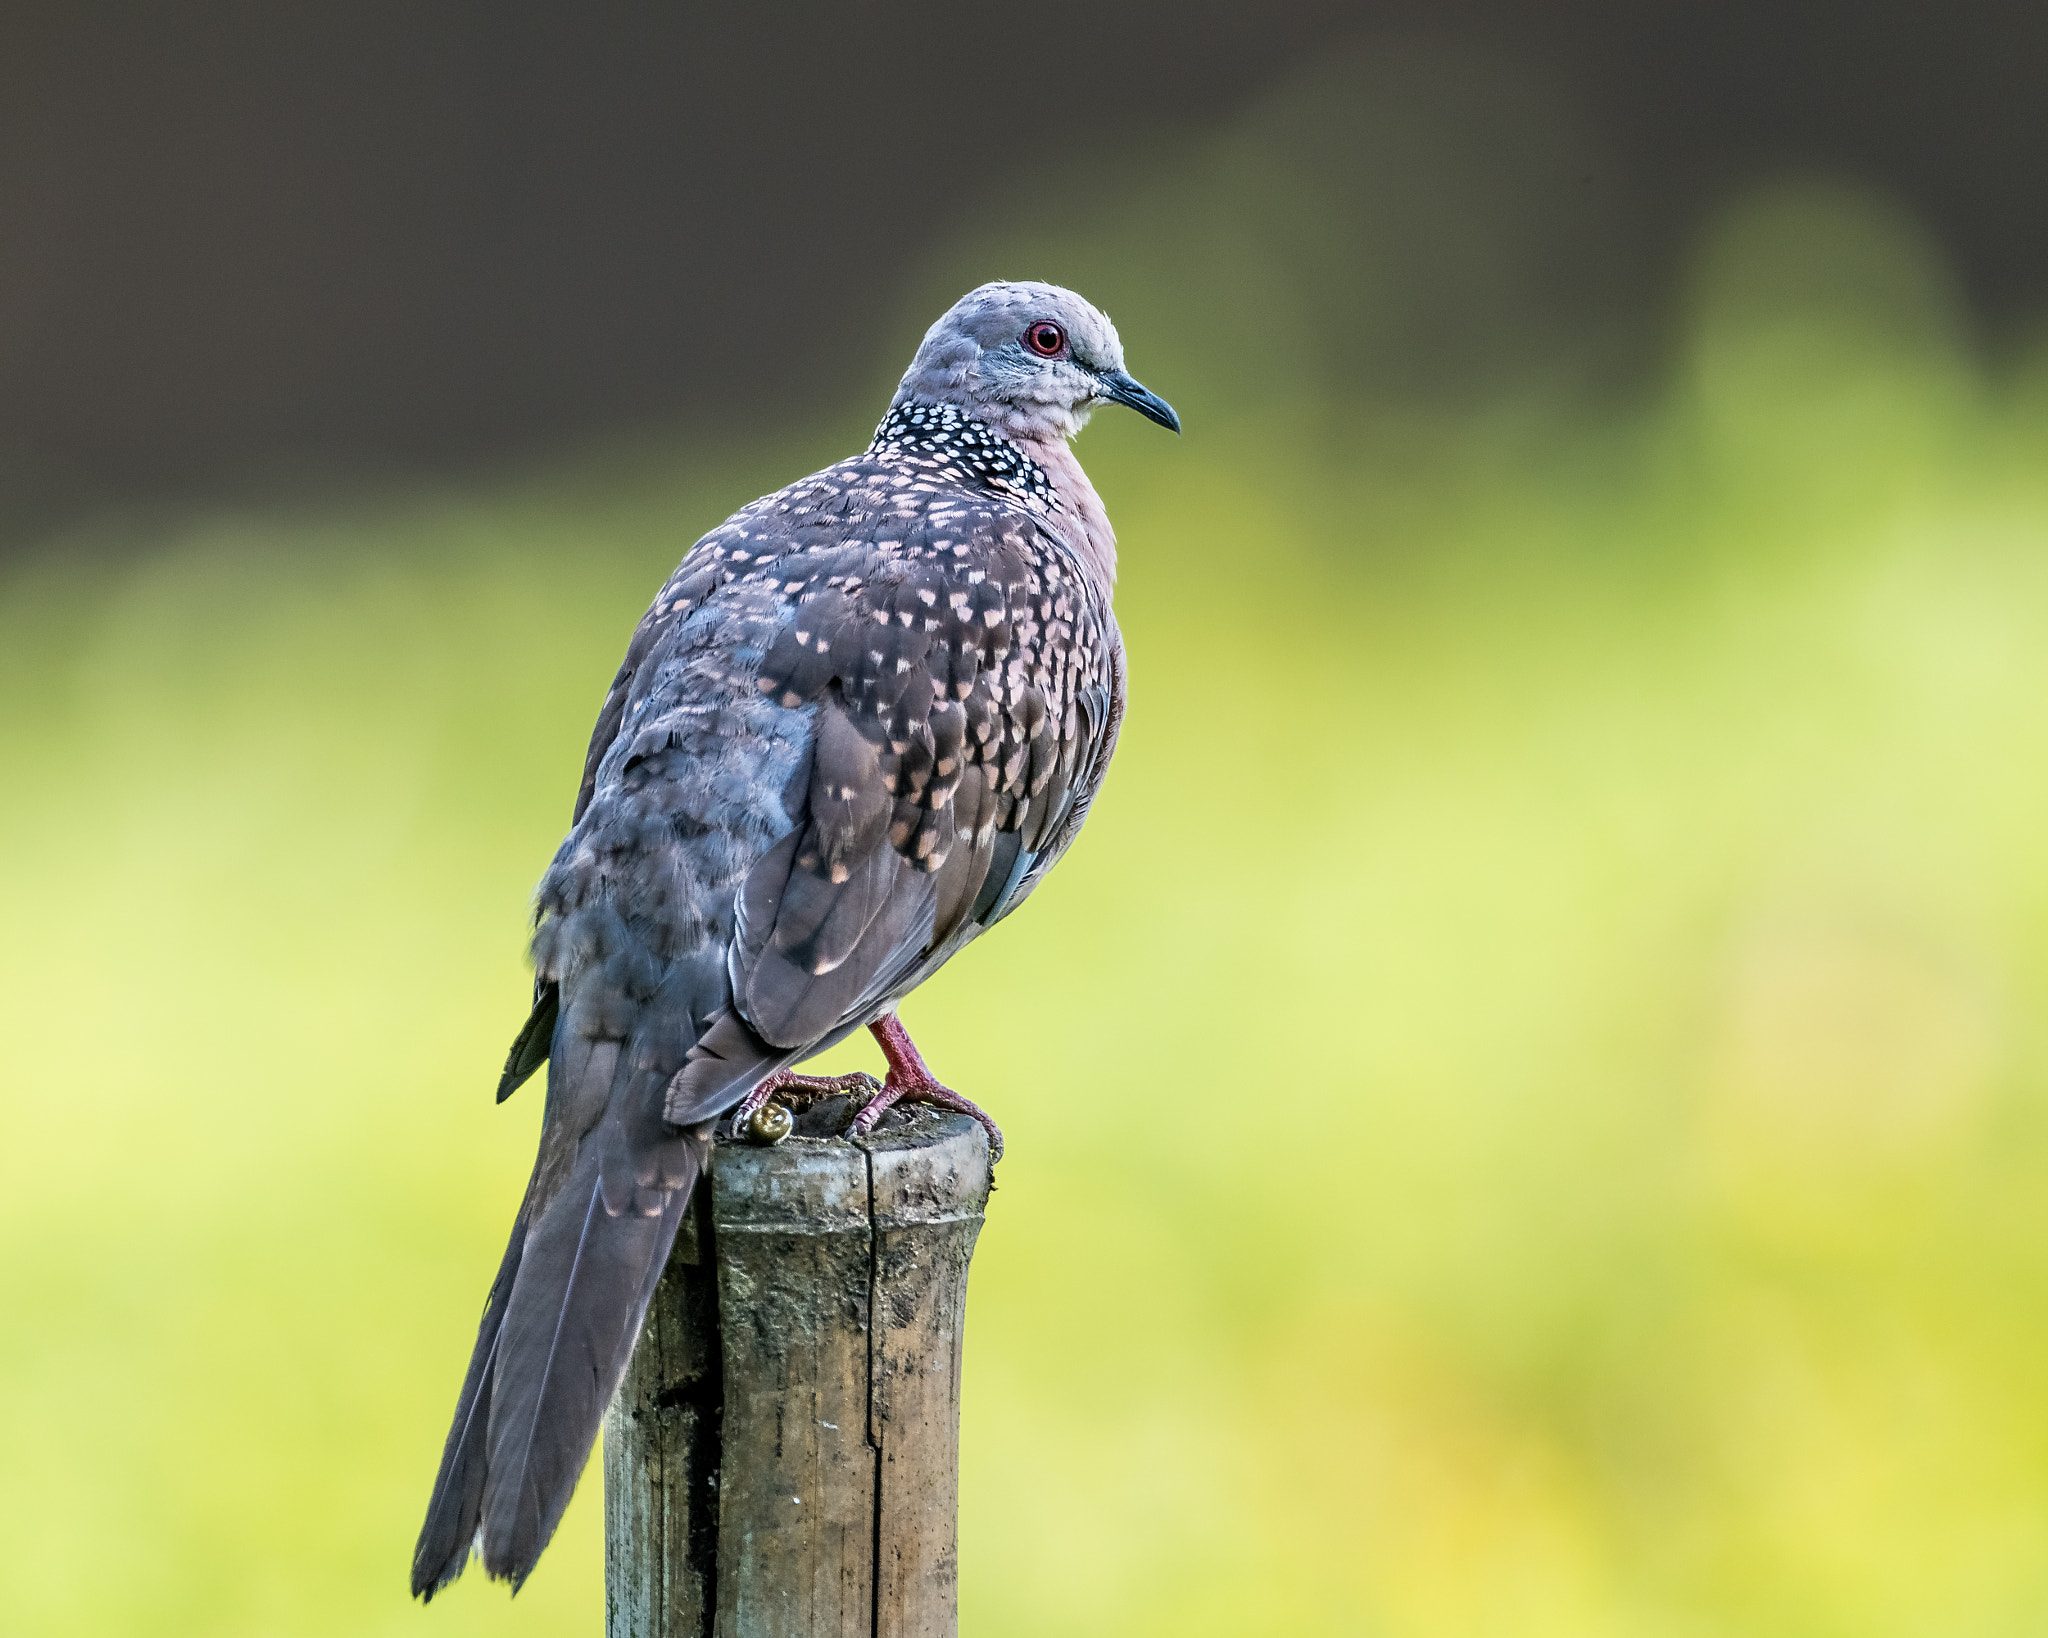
x=1031 y=360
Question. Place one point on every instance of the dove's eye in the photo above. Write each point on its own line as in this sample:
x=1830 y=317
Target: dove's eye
x=1046 y=340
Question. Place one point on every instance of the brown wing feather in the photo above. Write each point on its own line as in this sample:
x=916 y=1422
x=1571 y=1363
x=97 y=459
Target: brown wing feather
x=945 y=678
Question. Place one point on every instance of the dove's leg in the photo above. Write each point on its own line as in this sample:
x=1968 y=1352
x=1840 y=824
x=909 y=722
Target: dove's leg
x=786 y=1086
x=910 y=1081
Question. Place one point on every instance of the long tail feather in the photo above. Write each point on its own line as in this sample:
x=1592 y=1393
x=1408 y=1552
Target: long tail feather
x=607 y=1195
x=577 y=1305
x=457 y=1503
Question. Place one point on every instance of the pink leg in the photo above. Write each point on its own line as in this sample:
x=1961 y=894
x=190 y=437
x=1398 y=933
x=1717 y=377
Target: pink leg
x=910 y=1081
x=754 y=1117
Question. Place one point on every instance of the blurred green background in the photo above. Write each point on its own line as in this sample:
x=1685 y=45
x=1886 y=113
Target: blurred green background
x=1528 y=1108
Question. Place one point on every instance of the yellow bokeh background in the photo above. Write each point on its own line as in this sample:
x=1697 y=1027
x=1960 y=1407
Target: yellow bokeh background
x=1528 y=1110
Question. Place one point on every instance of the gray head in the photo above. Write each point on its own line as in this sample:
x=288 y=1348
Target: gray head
x=1031 y=360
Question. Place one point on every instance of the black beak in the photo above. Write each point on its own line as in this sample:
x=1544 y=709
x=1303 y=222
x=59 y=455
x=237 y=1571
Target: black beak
x=1119 y=388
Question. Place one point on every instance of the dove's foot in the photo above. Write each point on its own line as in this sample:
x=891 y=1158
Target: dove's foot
x=910 y=1081
x=763 y=1115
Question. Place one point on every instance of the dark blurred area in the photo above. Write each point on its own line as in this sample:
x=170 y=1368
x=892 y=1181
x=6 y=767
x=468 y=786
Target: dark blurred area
x=239 y=240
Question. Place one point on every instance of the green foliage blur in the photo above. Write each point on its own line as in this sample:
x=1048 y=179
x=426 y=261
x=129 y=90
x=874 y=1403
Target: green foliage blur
x=1528 y=1107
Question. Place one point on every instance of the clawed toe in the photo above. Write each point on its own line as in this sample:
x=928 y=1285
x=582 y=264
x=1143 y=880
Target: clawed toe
x=935 y=1096
x=911 y=1081
x=765 y=1115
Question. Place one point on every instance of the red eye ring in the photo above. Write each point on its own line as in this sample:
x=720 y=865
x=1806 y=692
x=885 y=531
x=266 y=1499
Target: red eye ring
x=1046 y=340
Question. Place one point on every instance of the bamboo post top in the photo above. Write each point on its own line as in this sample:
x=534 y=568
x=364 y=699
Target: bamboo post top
x=927 y=1169
x=783 y=1455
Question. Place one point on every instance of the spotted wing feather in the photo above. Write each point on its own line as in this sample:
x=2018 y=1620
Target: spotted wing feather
x=945 y=677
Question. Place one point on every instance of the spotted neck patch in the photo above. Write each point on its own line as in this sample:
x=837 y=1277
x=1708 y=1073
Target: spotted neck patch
x=973 y=448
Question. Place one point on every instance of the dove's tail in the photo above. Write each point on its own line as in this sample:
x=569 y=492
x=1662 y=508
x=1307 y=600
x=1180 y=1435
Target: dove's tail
x=557 y=1332
x=608 y=1192
x=457 y=1506
x=558 y=1329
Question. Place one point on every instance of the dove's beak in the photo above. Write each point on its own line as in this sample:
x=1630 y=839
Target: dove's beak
x=1119 y=388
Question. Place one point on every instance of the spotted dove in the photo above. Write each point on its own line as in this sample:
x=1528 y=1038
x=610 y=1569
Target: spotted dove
x=860 y=723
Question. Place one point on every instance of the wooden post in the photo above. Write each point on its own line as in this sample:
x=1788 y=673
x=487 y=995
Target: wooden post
x=782 y=1459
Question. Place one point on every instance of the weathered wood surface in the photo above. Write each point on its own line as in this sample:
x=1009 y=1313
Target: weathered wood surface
x=783 y=1456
